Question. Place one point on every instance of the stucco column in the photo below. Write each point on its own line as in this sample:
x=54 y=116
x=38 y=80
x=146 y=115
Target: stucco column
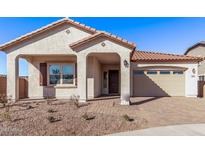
x=125 y=79
x=12 y=77
x=81 y=75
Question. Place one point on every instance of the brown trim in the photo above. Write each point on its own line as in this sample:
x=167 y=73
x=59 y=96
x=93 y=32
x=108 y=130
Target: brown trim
x=43 y=74
x=167 y=60
x=76 y=75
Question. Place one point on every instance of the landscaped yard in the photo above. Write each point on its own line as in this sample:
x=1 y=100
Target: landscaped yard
x=99 y=117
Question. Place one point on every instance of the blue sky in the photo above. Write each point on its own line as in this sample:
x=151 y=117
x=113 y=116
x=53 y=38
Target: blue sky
x=167 y=35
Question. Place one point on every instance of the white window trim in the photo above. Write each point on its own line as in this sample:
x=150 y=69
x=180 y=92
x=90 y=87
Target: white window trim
x=61 y=81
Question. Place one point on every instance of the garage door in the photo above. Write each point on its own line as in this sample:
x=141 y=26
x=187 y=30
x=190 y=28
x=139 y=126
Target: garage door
x=159 y=83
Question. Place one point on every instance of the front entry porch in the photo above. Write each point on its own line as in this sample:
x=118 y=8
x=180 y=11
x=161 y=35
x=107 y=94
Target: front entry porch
x=62 y=76
x=103 y=75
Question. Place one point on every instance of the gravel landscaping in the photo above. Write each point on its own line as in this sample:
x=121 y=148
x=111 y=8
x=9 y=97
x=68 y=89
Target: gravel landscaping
x=99 y=117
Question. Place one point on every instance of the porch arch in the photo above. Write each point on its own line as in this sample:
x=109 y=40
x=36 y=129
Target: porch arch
x=100 y=66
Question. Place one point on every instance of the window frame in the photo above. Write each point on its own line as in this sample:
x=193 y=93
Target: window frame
x=61 y=74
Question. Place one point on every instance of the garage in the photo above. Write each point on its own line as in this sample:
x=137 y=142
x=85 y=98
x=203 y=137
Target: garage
x=159 y=82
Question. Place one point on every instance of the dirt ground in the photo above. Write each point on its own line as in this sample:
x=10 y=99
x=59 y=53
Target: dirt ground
x=99 y=117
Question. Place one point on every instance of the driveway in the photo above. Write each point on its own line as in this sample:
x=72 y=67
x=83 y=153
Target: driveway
x=156 y=111
x=175 y=130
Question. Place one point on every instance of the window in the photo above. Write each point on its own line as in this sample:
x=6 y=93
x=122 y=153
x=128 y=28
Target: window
x=61 y=74
x=164 y=72
x=151 y=72
x=178 y=72
x=138 y=72
x=67 y=74
x=54 y=74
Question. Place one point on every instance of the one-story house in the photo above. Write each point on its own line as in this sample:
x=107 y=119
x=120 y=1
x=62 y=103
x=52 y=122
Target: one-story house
x=67 y=58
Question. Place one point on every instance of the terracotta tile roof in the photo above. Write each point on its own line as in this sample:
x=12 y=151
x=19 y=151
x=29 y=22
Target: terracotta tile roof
x=102 y=34
x=45 y=28
x=144 y=56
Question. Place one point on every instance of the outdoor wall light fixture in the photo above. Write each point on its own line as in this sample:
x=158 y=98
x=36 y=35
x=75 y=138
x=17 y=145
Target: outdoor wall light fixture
x=126 y=64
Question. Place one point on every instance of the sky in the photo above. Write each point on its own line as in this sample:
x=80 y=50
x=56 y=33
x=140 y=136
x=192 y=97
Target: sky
x=166 y=35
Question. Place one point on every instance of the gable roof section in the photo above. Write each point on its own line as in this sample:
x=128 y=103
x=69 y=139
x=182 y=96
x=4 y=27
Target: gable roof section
x=102 y=34
x=45 y=28
x=92 y=31
x=144 y=56
x=195 y=45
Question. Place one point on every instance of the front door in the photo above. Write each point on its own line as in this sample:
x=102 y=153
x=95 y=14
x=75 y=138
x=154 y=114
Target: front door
x=113 y=81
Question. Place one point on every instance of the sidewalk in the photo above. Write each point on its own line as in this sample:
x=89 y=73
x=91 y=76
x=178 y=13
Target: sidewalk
x=174 y=130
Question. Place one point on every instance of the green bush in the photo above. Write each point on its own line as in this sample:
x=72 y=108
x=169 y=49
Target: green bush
x=127 y=118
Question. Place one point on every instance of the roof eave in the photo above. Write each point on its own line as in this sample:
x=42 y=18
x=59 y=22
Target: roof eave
x=167 y=60
x=22 y=38
x=102 y=34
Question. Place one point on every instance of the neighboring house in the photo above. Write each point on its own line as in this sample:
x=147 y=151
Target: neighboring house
x=198 y=50
x=67 y=58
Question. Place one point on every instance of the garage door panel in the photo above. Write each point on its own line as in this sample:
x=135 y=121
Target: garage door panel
x=159 y=85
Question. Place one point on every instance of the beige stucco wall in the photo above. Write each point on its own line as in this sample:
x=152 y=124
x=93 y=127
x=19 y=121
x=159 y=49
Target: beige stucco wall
x=56 y=43
x=37 y=91
x=200 y=52
x=93 y=77
x=110 y=47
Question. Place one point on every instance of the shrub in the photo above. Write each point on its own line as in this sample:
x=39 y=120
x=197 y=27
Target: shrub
x=52 y=119
x=5 y=101
x=51 y=111
x=75 y=100
x=30 y=107
x=48 y=100
x=6 y=116
x=88 y=117
x=127 y=118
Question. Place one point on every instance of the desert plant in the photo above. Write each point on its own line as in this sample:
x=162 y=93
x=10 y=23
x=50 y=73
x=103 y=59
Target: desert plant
x=52 y=119
x=75 y=100
x=48 y=100
x=51 y=111
x=6 y=116
x=29 y=107
x=5 y=101
x=88 y=117
x=128 y=118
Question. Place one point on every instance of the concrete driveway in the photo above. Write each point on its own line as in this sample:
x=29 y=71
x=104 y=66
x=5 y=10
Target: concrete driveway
x=174 y=130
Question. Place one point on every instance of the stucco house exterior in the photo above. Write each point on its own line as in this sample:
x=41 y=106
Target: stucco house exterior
x=68 y=58
x=198 y=50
